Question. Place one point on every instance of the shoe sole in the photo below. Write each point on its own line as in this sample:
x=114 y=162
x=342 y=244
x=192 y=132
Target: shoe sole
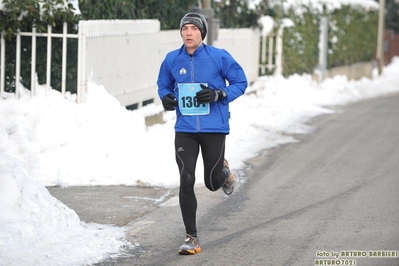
x=190 y=251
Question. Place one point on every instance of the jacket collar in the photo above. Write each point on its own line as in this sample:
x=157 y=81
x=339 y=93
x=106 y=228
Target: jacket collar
x=197 y=51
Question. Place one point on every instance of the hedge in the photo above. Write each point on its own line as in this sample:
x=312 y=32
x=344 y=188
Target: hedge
x=352 y=38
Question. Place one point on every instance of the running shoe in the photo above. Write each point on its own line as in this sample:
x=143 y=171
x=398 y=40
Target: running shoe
x=230 y=183
x=190 y=246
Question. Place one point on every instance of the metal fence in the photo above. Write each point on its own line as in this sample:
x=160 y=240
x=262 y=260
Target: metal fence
x=49 y=35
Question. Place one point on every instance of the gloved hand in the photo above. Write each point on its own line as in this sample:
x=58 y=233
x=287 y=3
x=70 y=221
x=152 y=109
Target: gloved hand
x=169 y=102
x=206 y=95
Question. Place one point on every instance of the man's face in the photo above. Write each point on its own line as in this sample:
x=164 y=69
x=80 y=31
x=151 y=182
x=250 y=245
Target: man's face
x=191 y=35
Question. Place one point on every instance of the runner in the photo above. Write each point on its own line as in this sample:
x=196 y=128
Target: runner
x=193 y=81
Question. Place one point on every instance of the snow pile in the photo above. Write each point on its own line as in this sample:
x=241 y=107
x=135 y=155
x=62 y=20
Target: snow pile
x=37 y=229
x=64 y=143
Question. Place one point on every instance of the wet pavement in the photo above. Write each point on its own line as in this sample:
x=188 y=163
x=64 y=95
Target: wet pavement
x=117 y=205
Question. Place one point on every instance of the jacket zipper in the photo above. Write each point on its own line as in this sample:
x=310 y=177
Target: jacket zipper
x=197 y=119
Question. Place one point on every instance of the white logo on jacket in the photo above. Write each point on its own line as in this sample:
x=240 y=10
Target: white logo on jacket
x=183 y=71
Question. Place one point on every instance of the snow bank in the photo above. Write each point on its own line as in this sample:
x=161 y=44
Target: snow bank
x=37 y=229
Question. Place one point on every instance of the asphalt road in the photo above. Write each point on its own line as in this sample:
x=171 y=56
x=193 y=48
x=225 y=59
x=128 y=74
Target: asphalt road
x=334 y=193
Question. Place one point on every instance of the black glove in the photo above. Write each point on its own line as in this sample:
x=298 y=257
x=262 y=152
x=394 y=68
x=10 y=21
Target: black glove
x=206 y=95
x=169 y=102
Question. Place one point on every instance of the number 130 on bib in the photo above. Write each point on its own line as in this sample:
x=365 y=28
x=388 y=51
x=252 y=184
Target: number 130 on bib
x=188 y=103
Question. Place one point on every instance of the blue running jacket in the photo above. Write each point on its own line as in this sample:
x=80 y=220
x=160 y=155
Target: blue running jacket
x=209 y=65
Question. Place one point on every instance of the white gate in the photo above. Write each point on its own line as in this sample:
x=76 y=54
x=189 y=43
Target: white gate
x=271 y=52
x=64 y=35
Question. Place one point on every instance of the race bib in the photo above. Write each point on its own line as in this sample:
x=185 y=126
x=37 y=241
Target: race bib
x=188 y=103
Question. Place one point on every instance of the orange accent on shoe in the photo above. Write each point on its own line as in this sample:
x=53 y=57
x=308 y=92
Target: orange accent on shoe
x=190 y=246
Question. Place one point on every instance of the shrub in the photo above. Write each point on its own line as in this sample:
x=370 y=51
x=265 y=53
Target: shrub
x=352 y=37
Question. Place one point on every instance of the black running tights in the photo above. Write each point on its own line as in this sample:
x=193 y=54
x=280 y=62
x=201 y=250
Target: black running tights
x=187 y=147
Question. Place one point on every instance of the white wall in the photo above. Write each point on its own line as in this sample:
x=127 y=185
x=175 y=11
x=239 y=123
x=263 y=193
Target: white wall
x=243 y=45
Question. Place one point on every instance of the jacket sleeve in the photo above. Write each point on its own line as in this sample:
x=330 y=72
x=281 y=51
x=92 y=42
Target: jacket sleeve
x=165 y=80
x=235 y=76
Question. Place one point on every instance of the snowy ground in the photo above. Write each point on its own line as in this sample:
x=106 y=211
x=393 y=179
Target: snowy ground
x=48 y=140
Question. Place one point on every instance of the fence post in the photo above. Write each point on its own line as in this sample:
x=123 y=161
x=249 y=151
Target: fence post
x=18 y=65
x=380 y=37
x=279 y=50
x=270 y=61
x=323 y=47
x=2 y=66
x=81 y=90
x=33 y=64
x=48 y=66
x=64 y=58
x=263 y=55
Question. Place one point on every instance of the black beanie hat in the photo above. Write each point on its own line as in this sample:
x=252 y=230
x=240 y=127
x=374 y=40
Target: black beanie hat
x=196 y=19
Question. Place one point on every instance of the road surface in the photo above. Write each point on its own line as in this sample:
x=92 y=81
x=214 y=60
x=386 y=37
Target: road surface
x=333 y=197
